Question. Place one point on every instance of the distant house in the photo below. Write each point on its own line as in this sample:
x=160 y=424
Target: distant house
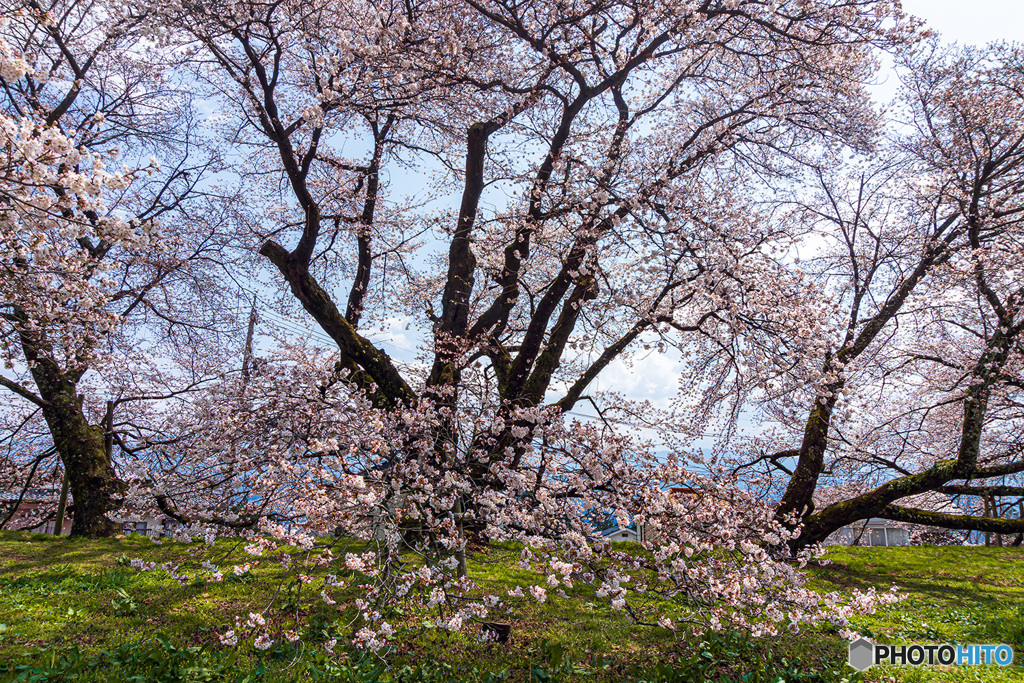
x=874 y=531
x=884 y=532
x=619 y=534
x=147 y=524
x=36 y=504
x=40 y=502
x=639 y=533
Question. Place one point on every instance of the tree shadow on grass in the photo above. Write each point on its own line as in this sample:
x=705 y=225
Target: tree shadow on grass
x=951 y=589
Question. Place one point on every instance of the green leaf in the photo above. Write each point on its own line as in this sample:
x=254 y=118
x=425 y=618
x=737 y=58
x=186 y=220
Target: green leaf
x=555 y=654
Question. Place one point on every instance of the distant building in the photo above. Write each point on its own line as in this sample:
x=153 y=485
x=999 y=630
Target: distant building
x=36 y=504
x=884 y=532
x=874 y=531
x=147 y=524
x=630 y=533
x=39 y=503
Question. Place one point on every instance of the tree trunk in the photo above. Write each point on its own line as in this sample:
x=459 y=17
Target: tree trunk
x=94 y=484
x=1020 y=537
x=863 y=528
x=996 y=513
x=82 y=447
x=798 y=500
x=460 y=552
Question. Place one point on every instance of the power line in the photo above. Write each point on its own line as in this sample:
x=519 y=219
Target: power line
x=617 y=421
x=296 y=327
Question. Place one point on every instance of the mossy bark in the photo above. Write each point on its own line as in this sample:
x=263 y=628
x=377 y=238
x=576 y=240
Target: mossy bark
x=82 y=447
x=93 y=482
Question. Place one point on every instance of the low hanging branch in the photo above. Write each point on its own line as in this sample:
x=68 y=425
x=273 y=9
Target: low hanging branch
x=963 y=490
x=25 y=487
x=246 y=521
x=947 y=521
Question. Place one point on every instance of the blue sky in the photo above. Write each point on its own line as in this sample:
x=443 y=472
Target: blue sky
x=962 y=21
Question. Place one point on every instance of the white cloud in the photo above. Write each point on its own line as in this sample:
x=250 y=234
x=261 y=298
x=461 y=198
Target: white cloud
x=652 y=378
x=976 y=22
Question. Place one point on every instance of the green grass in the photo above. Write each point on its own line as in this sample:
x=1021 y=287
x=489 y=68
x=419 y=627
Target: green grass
x=59 y=592
x=956 y=594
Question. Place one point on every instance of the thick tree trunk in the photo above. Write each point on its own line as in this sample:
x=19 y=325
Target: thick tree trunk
x=94 y=485
x=82 y=447
x=798 y=500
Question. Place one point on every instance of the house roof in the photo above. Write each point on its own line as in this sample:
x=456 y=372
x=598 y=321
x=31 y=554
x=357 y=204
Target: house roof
x=35 y=494
x=877 y=522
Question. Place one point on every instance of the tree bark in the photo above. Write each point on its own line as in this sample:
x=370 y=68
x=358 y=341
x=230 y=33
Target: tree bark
x=798 y=500
x=82 y=447
x=947 y=521
x=93 y=482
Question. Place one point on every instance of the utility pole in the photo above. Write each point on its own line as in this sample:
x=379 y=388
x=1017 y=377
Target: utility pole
x=247 y=352
x=62 y=504
x=996 y=513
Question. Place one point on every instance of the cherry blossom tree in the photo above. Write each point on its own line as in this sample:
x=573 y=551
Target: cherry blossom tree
x=917 y=387
x=92 y=256
x=293 y=456
x=593 y=180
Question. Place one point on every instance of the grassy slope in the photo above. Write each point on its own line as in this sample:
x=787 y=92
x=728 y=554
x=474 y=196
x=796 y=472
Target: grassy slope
x=956 y=594
x=60 y=590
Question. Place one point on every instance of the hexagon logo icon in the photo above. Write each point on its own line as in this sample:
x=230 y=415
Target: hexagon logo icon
x=862 y=654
